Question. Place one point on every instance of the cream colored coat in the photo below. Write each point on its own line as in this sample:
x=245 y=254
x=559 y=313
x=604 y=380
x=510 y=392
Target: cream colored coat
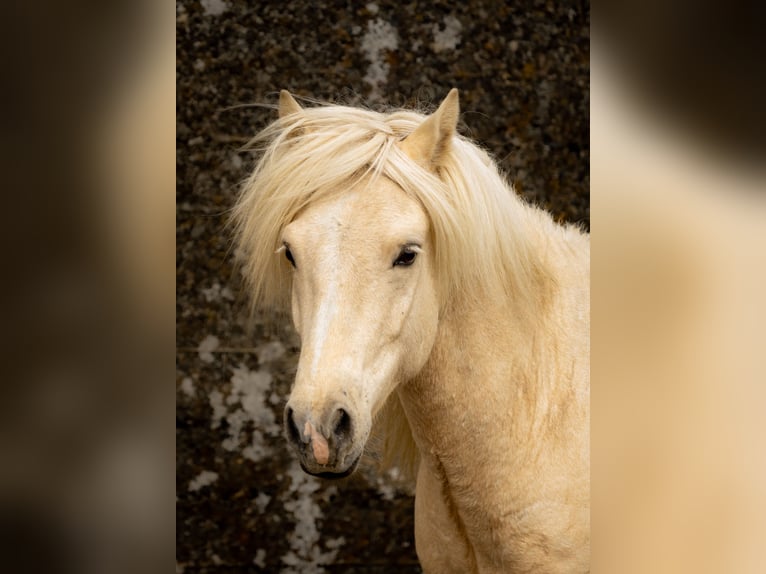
x=434 y=303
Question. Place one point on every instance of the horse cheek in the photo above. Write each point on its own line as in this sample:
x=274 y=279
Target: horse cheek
x=418 y=336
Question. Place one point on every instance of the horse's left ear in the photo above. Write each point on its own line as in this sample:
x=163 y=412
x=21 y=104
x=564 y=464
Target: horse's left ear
x=427 y=144
x=287 y=104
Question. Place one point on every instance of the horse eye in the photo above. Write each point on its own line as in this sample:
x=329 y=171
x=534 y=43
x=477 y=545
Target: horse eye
x=289 y=256
x=406 y=257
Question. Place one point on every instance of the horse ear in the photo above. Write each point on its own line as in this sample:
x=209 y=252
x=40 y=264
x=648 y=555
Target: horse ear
x=287 y=104
x=428 y=142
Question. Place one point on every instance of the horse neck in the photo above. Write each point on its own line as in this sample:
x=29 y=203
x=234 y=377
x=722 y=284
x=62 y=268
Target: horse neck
x=493 y=364
x=459 y=396
x=471 y=332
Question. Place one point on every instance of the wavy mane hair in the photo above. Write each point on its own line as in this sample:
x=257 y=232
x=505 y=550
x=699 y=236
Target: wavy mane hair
x=483 y=234
x=486 y=240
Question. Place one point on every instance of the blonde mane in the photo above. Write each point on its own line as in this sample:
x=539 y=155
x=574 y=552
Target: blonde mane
x=483 y=234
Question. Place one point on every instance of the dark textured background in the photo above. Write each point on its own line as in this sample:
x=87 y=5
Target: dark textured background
x=523 y=71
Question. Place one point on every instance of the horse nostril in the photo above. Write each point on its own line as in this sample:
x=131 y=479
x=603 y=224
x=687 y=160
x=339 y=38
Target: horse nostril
x=343 y=426
x=292 y=430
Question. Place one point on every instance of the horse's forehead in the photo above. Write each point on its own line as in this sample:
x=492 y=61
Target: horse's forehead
x=381 y=207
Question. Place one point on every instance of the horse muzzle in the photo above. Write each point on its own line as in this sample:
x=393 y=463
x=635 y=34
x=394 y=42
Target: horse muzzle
x=323 y=440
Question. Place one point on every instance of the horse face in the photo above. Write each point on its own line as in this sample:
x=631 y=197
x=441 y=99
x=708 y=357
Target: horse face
x=364 y=302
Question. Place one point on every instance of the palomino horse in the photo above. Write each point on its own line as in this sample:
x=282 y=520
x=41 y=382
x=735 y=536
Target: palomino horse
x=433 y=302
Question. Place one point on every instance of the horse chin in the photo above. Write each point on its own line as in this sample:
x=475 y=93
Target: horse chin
x=333 y=475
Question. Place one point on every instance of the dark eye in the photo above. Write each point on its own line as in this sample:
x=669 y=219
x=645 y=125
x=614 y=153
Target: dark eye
x=289 y=256
x=406 y=257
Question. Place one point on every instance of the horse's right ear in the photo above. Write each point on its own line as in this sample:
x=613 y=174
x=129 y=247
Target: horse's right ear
x=287 y=104
x=427 y=144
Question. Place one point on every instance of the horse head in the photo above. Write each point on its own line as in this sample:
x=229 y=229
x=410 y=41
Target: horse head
x=364 y=302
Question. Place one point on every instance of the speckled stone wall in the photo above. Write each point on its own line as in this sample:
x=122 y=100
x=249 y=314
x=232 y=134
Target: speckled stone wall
x=522 y=68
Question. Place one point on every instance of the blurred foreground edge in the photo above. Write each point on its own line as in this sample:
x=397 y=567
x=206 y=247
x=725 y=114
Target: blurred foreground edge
x=678 y=277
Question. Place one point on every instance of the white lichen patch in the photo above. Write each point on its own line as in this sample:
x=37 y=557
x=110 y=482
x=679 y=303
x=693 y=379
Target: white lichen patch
x=260 y=558
x=247 y=402
x=214 y=7
x=262 y=501
x=216 y=293
x=187 y=387
x=305 y=555
x=449 y=38
x=386 y=491
x=380 y=36
x=270 y=351
x=206 y=348
x=204 y=478
x=387 y=483
x=219 y=409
